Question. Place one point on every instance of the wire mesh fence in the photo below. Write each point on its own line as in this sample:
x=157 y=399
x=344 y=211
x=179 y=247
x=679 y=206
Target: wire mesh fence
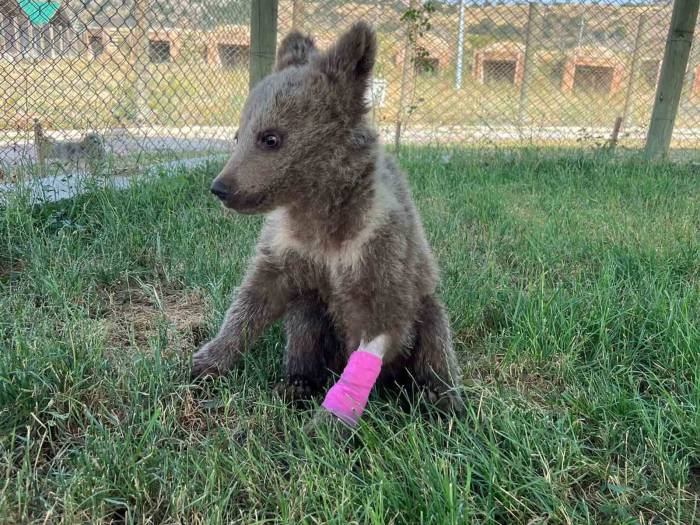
x=132 y=82
x=152 y=80
x=556 y=74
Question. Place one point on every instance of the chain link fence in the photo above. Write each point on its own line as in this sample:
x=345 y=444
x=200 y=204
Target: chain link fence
x=133 y=83
x=151 y=81
x=563 y=74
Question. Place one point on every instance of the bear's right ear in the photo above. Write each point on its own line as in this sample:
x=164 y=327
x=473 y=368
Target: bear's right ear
x=294 y=50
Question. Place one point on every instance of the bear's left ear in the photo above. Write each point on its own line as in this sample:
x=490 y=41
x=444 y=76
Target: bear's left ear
x=350 y=60
x=295 y=50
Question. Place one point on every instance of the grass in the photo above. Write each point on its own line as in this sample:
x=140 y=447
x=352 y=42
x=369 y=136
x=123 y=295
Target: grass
x=572 y=285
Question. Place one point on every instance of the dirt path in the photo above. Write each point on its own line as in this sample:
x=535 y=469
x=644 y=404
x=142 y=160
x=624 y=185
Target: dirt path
x=67 y=185
x=18 y=149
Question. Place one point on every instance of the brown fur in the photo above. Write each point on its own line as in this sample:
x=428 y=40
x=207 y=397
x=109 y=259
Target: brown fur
x=342 y=255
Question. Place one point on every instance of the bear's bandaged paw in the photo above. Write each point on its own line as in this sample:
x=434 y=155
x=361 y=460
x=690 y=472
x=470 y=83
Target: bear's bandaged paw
x=348 y=397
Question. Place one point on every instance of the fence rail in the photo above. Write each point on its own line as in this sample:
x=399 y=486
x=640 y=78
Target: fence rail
x=168 y=79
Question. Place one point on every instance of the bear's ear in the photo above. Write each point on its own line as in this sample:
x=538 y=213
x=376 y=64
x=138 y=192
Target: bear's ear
x=352 y=57
x=294 y=50
x=348 y=65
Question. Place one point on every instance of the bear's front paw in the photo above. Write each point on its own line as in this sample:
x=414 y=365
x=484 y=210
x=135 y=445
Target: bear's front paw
x=212 y=360
x=296 y=389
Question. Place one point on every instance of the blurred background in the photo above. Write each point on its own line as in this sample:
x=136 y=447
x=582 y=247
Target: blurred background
x=156 y=82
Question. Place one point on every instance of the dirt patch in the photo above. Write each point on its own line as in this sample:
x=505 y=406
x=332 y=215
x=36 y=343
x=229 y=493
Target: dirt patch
x=9 y=270
x=528 y=381
x=694 y=479
x=138 y=317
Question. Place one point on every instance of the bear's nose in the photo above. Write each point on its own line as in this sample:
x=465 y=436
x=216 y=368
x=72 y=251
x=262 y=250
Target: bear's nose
x=220 y=189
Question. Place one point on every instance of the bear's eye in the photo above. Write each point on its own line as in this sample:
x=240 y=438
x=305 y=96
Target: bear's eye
x=270 y=140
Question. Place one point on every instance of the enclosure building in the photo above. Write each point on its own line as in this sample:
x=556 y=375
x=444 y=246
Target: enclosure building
x=226 y=46
x=164 y=44
x=592 y=69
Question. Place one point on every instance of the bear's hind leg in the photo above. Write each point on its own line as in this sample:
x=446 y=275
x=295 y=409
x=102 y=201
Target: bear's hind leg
x=433 y=364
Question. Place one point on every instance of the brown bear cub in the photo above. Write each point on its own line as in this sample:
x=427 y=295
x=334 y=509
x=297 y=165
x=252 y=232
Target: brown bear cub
x=342 y=255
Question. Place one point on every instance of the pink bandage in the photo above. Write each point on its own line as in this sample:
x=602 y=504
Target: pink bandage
x=348 y=397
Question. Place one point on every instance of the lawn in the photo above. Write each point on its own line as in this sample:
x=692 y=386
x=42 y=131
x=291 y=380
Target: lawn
x=573 y=288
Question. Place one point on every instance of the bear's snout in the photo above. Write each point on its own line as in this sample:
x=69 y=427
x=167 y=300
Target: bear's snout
x=232 y=197
x=220 y=189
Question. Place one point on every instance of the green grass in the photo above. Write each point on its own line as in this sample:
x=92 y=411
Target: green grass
x=572 y=285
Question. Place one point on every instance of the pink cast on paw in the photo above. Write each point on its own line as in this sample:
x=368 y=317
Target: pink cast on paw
x=348 y=397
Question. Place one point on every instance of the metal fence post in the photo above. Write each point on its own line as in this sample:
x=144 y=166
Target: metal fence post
x=407 y=71
x=632 y=83
x=668 y=92
x=39 y=148
x=139 y=54
x=263 y=38
x=460 y=47
x=528 y=62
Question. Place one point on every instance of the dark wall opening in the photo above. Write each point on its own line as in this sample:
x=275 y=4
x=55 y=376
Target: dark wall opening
x=497 y=71
x=159 y=51
x=593 y=78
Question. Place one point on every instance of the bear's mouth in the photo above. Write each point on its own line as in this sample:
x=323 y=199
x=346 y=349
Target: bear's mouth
x=246 y=204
